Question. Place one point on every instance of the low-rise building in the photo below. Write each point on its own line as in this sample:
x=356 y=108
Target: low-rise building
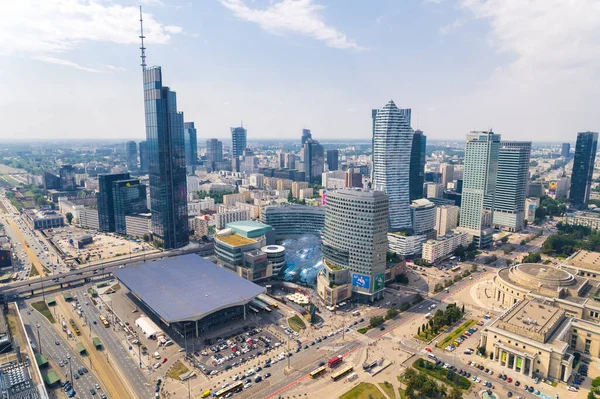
x=201 y=226
x=138 y=225
x=88 y=218
x=442 y=247
x=43 y=219
x=230 y=215
x=406 y=245
x=582 y=218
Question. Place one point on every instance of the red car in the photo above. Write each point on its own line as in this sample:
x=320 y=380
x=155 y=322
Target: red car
x=509 y=379
x=428 y=349
x=165 y=360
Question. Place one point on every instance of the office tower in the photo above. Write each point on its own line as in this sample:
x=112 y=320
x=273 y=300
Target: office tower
x=235 y=164
x=355 y=241
x=417 y=165
x=583 y=167
x=214 y=152
x=131 y=154
x=566 y=150
x=314 y=161
x=511 y=185
x=434 y=190
x=51 y=181
x=290 y=161
x=479 y=185
x=392 y=143
x=166 y=153
x=446 y=219
x=106 y=209
x=143 y=147
x=190 y=140
x=238 y=141
x=281 y=160
x=305 y=136
x=422 y=215
x=333 y=159
x=128 y=197
x=297 y=186
x=353 y=178
x=248 y=162
x=67 y=178
x=447 y=171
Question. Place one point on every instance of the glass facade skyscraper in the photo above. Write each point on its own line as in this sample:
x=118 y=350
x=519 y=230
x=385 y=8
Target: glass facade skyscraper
x=417 y=165
x=166 y=156
x=511 y=184
x=314 y=161
x=143 y=147
x=479 y=185
x=392 y=146
x=106 y=209
x=238 y=141
x=191 y=144
x=583 y=167
x=67 y=178
x=333 y=159
x=128 y=197
x=214 y=152
x=131 y=153
x=305 y=135
x=565 y=150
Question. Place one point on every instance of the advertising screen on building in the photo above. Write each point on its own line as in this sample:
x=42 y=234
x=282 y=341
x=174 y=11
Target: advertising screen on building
x=361 y=281
x=531 y=210
x=379 y=282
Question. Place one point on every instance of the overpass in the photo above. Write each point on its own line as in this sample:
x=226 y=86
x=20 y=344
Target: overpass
x=86 y=274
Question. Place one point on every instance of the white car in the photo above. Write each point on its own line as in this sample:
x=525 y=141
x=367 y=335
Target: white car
x=573 y=388
x=248 y=385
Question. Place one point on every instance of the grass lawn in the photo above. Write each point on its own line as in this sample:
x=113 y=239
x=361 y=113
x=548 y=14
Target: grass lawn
x=388 y=388
x=364 y=390
x=363 y=330
x=441 y=374
x=12 y=324
x=456 y=333
x=176 y=370
x=10 y=180
x=43 y=309
x=296 y=323
x=428 y=337
x=402 y=393
x=34 y=271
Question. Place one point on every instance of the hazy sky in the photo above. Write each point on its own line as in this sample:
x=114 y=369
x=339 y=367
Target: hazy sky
x=528 y=69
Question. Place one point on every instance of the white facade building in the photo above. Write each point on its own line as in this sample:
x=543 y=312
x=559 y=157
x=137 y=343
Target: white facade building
x=422 y=214
x=405 y=245
x=392 y=142
x=231 y=215
x=442 y=247
x=138 y=225
x=446 y=219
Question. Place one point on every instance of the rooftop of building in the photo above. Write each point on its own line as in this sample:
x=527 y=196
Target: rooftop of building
x=249 y=228
x=422 y=202
x=234 y=240
x=186 y=287
x=531 y=316
x=585 y=260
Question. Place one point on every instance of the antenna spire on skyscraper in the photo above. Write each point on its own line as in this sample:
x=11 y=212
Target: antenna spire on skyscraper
x=143 y=56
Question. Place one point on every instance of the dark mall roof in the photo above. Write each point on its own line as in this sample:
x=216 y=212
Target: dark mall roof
x=187 y=288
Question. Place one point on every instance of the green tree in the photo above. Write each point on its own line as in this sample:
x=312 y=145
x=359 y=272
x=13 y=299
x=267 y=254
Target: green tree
x=504 y=239
x=146 y=238
x=391 y=313
x=376 y=321
x=460 y=252
x=69 y=217
x=290 y=197
x=533 y=257
x=455 y=393
x=419 y=330
x=474 y=267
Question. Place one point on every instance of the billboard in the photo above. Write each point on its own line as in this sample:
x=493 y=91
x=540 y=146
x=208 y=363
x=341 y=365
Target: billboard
x=379 y=282
x=552 y=188
x=519 y=362
x=531 y=211
x=324 y=198
x=361 y=281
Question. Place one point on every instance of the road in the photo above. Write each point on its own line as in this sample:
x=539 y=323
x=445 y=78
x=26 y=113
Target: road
x=127 y=365
x=57 y=353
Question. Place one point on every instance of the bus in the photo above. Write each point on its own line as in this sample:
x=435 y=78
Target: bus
x=268 y=300
x=232 y=388
x=253 y=309
x=455 y=269
x=316 y=373
x=334 y=361
x=104 y=321
x=342 y=373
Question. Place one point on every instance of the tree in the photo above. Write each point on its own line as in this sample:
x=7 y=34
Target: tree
x=473 y=267
x=419 y=330
x=460 y=251
x=391 y=313
x=69 y=217
x=376 y=321
x=438 y=287
x=290 y=197
x=404 y=306
x=523 y=242
x=533 y=257
x=463 y=309
x=591 y=395
x=504 y=239
x=401 y=278
x=146 y=238
x=455 y=393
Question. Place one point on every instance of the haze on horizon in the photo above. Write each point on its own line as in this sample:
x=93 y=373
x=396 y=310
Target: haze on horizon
x=70 y=68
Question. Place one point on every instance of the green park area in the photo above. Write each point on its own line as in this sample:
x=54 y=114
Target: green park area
x=43 y=309
x=364 y=390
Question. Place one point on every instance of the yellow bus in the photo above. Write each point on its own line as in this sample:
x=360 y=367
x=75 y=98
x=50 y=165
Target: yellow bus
x=233 y=387
x=206 y=394
x=104 y=321
x=342 y=373
x=316 y=373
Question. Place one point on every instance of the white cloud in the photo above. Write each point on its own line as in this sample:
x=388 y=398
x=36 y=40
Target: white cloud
x=60 y=61
x=42 y=28
x=451 y=28
x=293 y=16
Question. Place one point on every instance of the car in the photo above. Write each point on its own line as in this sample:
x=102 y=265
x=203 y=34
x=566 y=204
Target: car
x=382 y=328
x=321 y=364
x=229 y=395
x=509 y=394
x=98 y=386
x=267 y=375
x=57 y=342
x=517 y=383
x=85 y=370
x=247 y=385
x=92 y=391
x=164 y=360
x=509 y=379
x=573 y=388
x=76 y=376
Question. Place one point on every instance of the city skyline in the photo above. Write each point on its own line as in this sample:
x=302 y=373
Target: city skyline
x=343 y=47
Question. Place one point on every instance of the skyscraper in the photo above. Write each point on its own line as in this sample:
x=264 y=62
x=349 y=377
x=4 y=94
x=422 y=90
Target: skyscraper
x=314 y=161
x=417 y=165
x=67 y=178
x=106 y=209
x=565 y=150
x=392 y=144
x=166 y=154
x=128 y=197
x=238 y=141
x=479 y=185
x=333 y=159
x=583 y=167
x=191 y=144
x=132 y=155
x=305 y=136
x=290 y=161
x=143 y=147
x=447 y=171
x=214 y=152
x=355 y=242
x=511 y=184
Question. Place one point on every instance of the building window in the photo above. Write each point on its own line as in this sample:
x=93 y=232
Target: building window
x=539 y=362
x=588 y=343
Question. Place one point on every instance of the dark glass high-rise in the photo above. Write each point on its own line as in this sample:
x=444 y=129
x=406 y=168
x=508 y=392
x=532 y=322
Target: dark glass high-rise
x=583 y=167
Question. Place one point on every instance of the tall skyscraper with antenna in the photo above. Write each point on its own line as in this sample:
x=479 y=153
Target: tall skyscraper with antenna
x=166 y=158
